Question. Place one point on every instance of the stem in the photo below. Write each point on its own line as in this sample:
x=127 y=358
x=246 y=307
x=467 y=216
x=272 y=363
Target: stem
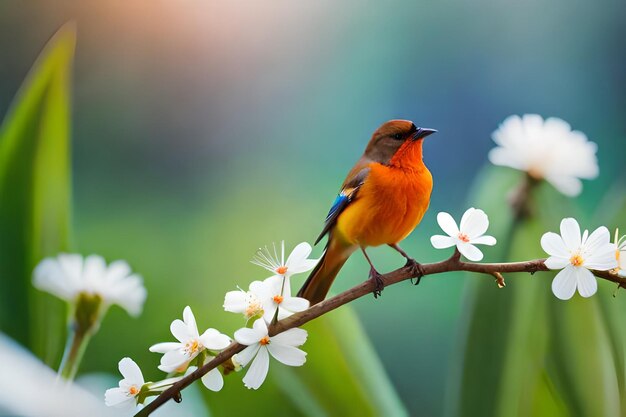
x=75 y=348
x=366 y=287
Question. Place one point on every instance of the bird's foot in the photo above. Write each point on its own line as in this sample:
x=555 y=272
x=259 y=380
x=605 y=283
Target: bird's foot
x=416 y=269
x=378 y=281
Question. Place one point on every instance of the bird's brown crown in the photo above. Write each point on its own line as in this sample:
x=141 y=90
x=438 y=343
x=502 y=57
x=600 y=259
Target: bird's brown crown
x=389 y=138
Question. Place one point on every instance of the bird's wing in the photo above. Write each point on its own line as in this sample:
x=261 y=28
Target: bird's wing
x=348 y=193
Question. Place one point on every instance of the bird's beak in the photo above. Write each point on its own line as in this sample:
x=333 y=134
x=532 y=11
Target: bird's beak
x=422 y=132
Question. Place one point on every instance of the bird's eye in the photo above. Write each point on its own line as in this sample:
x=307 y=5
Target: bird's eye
x=397 y=136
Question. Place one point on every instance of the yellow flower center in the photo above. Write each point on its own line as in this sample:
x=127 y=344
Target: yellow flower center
x=278 y=299
x=281 y=270
x=192 y=347
x=254 y=308
x=576 y=260
x=265 y=341
x=463 y=237
x=133 y=390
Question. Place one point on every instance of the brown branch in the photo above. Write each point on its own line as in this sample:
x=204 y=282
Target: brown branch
x=454 y=263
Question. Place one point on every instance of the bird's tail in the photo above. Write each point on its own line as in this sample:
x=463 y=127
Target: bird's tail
x=318 y=283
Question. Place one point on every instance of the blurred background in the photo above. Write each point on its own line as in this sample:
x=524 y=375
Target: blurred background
x=203 y=130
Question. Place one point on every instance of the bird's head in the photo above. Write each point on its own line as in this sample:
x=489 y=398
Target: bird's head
x=394 y=139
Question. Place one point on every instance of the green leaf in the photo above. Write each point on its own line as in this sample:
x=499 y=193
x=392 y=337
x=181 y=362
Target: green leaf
x=35 y=195
x=343 y=374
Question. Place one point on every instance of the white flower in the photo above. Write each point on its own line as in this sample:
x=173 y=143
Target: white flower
x=264 y=298
x=275 y=295
x=474 y=224
x=125 y=395
x=247 y=303
x=283 y=347
x=576 y=255
x=177 y=355
x=296 y=263
x=68 y=277
x=546 y=149
x=620 y=254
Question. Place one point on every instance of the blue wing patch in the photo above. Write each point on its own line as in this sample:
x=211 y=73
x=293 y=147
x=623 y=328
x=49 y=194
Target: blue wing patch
x=339 y=202
x=346 y=196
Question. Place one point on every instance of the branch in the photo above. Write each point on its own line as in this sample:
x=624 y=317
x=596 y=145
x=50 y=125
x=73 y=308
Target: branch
x=407 y=272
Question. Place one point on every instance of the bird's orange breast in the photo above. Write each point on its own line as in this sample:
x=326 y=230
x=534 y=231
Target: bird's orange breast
x=388 y=207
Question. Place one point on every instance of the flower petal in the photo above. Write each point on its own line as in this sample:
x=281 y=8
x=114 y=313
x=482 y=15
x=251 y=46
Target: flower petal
x=260 y=328
x=269 y=311
x=297 y=256
x=247 y=336
x=564 y=283
x=602 y=259
x=258 y=370
x=570 y=232
x=484 y=240
x=442 y=242
x=470 y=251
x=304 y=266
x=566 y=184
x=118 y=397
x=235 y=301
x=174 y=359
x=295 y=304
x=586 y=282
x=289 y=355
x=553 y=245
x=164 y=347
x=291 y=337
x=130 y=371
x=556 y=262
x=261 y=289
x=474 y=223
x=214 y=340
x=245 y=356
x=190 y=321
x=180 y=330
x=447 y=224
x=598 y=239
x=213 y=380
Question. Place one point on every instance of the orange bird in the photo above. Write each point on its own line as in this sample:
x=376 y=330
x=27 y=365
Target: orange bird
x=382 y=200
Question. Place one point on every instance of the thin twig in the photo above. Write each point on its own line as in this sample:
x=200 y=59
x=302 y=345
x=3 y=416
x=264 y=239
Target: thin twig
x=454 y=263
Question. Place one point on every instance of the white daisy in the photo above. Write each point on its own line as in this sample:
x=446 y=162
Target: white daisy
x=296 y=263
x=69 y=276
x=546 y=149
x=283 y=347
x=125 y=396
x=474 y=224
x=575 y=255
x=177 y=355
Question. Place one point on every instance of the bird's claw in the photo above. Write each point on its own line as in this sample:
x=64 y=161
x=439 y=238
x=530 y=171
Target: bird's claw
x=416 y=269
x=378 y=281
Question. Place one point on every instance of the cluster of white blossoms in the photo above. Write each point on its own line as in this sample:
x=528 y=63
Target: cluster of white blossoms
x=574 y=254
x=546 y=149
x=265 y=302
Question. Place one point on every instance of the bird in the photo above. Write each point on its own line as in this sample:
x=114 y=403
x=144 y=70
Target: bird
x=382 y=200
